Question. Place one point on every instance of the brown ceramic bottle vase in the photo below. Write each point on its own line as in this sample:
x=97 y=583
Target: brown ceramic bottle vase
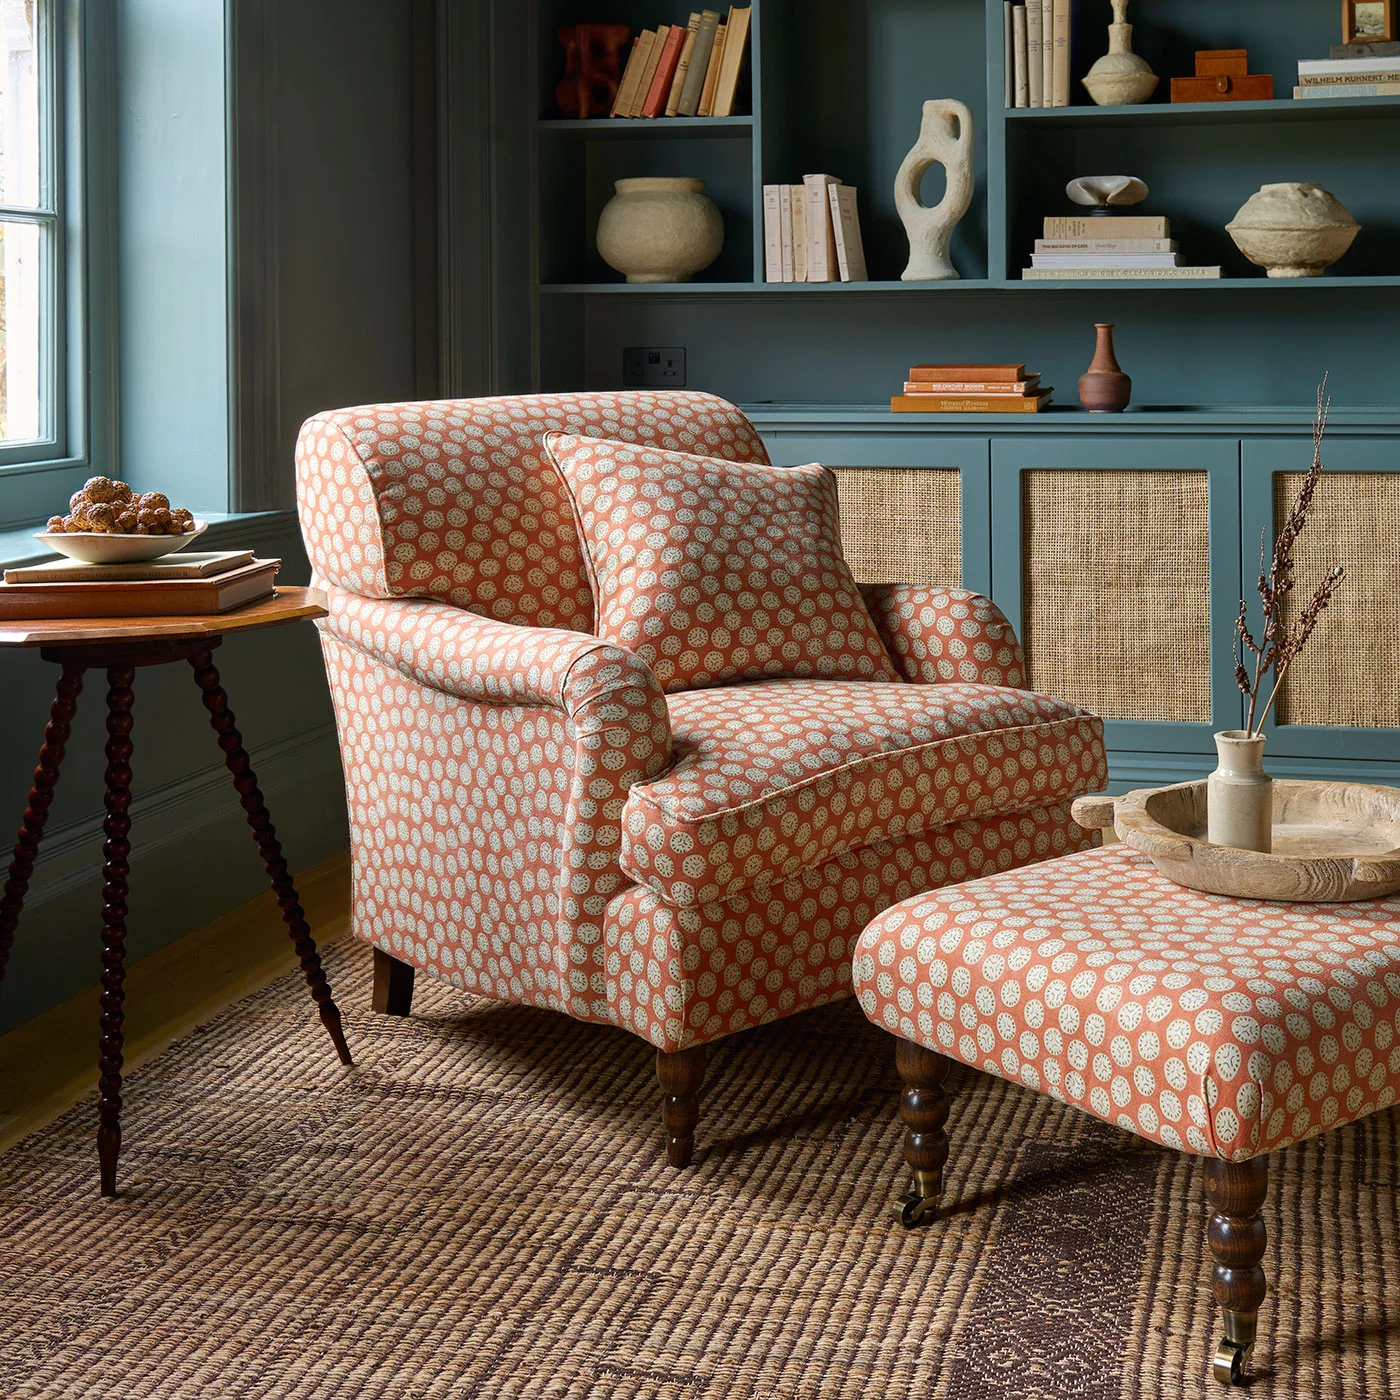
x=1103 y=387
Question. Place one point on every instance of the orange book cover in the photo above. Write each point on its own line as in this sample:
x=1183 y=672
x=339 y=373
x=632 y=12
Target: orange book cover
x=969 y=403
x=655 y=104
x=978 y=373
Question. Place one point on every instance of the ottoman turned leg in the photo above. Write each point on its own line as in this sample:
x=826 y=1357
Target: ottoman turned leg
x=680 y=1074
x=1237 y=1237
x=923 y=1106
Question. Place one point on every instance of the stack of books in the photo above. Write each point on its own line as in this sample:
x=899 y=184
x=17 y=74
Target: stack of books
x=971 y=389
x=1110 y=247
x=811 y=232
x=1354 y=70
x=686 y=70
x=1036 y=52
x=180 y=585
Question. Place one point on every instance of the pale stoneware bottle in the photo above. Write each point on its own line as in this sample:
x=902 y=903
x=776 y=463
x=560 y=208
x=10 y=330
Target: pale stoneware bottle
x=1120 y=77
x=1240 y=794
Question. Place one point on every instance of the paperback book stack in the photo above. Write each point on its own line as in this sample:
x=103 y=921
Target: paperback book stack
x=811 y=232
x=686 y=70
x=181 y=585
x=1354 y=70
x=971 y=389
x=1112 y=248
x=1036 y=52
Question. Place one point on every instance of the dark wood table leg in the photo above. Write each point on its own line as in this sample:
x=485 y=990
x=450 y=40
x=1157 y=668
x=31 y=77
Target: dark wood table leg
x=250 y=795
x=1237 y=1237
x=116 y=869
x=681 y=1074
x=36 y=812
x=923 y=1105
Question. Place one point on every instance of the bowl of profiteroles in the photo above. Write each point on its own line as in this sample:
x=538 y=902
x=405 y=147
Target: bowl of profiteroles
x=109 y=523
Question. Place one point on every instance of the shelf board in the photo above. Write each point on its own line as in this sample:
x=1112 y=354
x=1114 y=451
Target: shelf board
x=1205 y=113
x=629 y=127
x=1230 y=284
x=799 y=289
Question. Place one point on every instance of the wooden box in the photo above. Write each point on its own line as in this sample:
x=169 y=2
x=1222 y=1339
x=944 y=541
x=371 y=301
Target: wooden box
x=1222 y=75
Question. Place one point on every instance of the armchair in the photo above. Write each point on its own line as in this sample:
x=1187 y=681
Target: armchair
x=532 y=819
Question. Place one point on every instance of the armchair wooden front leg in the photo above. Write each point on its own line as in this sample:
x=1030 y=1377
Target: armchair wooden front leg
x=680 y=1074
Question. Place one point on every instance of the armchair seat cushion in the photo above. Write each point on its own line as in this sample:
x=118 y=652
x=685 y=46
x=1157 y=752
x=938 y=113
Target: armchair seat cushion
x=779 y=776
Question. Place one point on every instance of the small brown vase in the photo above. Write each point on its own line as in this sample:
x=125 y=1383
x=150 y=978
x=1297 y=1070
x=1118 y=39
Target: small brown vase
x=1103 y=387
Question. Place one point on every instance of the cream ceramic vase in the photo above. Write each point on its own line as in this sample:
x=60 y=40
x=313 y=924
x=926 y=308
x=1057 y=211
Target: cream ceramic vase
x=660 y=230
x=1120 y=77
x=1293 y=230
x=1240 y=794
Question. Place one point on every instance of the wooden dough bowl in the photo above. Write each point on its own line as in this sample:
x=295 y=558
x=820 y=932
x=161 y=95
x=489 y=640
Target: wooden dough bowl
x=1333 y=842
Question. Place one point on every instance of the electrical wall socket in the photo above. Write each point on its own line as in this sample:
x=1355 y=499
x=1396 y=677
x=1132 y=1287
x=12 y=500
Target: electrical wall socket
x=651 y=367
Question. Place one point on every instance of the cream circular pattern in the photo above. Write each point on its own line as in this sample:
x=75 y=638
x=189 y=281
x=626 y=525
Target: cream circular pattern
x=1228 y=1028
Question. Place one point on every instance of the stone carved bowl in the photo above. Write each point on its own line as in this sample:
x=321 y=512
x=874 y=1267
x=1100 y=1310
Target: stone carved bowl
x=1293 y=230
x=658 y=229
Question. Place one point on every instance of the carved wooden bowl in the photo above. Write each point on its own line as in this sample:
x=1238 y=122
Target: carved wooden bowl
x=1333 y=842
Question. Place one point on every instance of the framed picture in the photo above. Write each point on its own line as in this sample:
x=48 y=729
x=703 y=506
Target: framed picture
x=1368 y=21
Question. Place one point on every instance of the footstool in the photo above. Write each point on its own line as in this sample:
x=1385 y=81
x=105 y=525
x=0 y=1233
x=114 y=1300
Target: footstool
x=1228 y=1028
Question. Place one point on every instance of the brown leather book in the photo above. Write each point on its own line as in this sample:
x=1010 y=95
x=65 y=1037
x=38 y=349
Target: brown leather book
x=970 y=403
x=143 y=597
x=1028 y=385
x=976 y=373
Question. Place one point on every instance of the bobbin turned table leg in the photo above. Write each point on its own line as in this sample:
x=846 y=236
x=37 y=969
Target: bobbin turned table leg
x=681 y=1074
x=923 y=1105
x=1236 y=1191
x=36 y=811
x=250 y=795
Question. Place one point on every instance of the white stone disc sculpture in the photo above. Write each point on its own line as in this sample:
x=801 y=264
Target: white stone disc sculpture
x=1107 y=191
x=945 y=138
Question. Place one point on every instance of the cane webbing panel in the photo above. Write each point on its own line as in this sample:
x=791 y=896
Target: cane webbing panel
x=1116 y=590
x=1349 y=672
x=902 y=524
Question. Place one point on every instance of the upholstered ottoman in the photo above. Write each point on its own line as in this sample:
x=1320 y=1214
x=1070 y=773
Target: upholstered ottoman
x=1226 y=1028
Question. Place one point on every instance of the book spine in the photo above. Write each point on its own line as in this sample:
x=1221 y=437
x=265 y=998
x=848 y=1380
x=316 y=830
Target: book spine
x=665 y=71
x=821 y=237
x=1349 y=90
x=1008 y=54
x=1125 y=226
x=707 y=93
x=951 y=388
x=850 y=227
x=932 y=403
x=689 y=104
x=1060 y=79
x=785 y=215
x=627 y=88
x=1035 y=73
x=1019 y=58
x=1121 y=260
x=1120 y=274
x=736 y=41
x=799 y=233
x=1105 y=245
x=772 y=236
x=1389 y=75
x=843 y=266
x=1047 y=52
x=658 y=42
x=1000 y=374
x=673 y=101
x=1310 y=66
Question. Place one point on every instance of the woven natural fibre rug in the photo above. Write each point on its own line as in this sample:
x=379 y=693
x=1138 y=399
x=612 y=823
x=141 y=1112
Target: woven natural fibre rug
x=480 y=1208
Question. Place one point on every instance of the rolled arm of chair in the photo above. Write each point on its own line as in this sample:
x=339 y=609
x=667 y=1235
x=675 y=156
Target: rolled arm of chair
x=615 y=703
x=937 y=635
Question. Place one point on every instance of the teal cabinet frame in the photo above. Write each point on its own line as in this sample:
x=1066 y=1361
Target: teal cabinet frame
x=1219 y=458
x=969 y=456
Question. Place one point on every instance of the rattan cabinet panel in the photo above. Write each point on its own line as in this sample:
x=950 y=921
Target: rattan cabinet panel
x=902 y=524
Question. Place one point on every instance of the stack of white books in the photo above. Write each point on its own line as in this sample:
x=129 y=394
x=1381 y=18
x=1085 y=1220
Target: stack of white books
x=1114 y=247
x=1349 y=77
x=811 y=232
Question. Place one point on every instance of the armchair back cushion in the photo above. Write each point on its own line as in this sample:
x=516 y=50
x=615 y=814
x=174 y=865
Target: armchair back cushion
x=716 y=571
x=451 y=500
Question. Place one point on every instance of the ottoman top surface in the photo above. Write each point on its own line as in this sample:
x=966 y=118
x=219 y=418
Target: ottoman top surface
x=1219 y=1026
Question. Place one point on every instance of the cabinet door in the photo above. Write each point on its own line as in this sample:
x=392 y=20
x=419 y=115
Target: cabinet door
x=914 y=506
x=1341 y=698
x=1118 y=561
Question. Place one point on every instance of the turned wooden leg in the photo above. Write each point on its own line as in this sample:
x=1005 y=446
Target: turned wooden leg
x=36 y=811
x=393 y=985
x=1237 y=1237
x=680 y=1074
x=116 y=869
x=250 y=795
x=924 y=1107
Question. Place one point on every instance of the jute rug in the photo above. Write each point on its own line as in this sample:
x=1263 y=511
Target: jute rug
x=480 y=1209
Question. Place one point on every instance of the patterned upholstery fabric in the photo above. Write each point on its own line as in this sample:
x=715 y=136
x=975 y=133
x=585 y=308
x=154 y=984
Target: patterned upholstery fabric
x=1228 y=1028
x=714 y=571
x=682 y=977
x=776 y=777
x=451 y=500
x=946 y=634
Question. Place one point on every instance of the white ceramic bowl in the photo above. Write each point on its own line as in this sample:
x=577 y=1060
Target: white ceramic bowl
x=90 y=548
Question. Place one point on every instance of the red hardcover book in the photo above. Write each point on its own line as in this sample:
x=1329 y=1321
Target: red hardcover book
x=660 y=88
x=977 y=373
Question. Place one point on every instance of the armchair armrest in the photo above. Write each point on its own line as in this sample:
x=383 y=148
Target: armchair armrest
x=946 y=634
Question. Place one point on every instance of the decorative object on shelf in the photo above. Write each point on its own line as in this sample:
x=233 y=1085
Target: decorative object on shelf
x=1107 y=194
x=1363 y=75
x=1120 y=77
x=1333 y=843
x=1222 y=75
x=660 y=229
x=963 y=388
x=592 y=68
x=1240 y=794
x=945 y=138
x=1368 y=22
x=1293 y=230
x=1103 y=387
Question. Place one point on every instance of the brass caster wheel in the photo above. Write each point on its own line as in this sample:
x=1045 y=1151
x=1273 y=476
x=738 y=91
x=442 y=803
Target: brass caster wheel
x=1231 y=1358
x=914 y=1210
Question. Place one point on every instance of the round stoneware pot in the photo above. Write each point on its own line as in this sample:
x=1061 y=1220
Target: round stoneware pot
x=1293 y=230
x=660 y=230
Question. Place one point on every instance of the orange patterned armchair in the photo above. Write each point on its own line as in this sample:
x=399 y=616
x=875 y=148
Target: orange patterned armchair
x=533 y=819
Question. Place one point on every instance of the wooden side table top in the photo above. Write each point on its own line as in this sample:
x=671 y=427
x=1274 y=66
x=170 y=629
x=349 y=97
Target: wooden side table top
x=289 y=605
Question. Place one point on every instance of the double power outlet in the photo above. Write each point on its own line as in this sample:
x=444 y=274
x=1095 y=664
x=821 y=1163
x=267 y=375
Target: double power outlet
x=652 y=367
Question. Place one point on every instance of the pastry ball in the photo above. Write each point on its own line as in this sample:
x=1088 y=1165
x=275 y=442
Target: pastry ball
x=102 y=489
x=153 y=500
x=182 y=520
x=101 y=519
x=56 y=525
x=123 y=493
x=127 y=521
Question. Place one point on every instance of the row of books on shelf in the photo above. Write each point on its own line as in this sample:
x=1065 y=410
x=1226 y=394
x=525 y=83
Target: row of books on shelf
x=971 y=389
x=686 y=70
x=1036 y=43
x=811 y=232
x=1116 y=247
x=1376 y=74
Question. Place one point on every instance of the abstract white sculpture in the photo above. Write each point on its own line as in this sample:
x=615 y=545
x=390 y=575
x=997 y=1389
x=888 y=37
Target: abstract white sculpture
x=945 y=138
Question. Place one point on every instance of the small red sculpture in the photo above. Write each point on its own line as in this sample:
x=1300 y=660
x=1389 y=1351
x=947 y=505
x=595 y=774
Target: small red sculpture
x=592 y=68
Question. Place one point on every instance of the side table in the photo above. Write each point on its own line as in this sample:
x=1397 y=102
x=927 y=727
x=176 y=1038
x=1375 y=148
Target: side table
x=120 y=645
